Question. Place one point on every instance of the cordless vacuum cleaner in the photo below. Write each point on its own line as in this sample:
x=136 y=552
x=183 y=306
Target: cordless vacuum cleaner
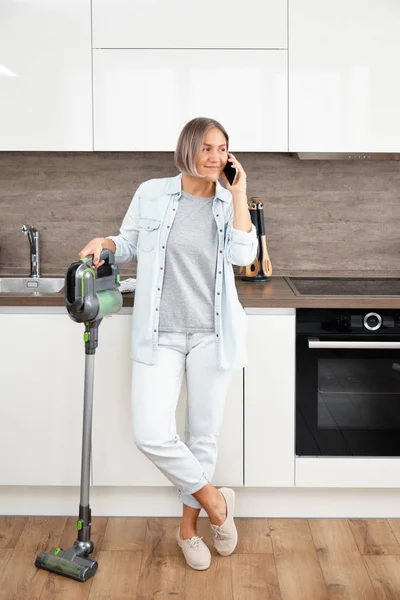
x=88 y=299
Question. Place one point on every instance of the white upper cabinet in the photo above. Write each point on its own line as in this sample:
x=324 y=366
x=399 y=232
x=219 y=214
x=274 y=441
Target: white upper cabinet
x=180 y=24
x=143 y=98
x=344 y=76
x=45 y=75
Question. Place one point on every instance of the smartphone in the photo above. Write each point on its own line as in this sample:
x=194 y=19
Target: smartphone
x=230 y=173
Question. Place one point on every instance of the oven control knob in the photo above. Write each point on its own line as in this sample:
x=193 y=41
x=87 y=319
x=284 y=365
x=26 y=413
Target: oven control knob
x=372 y=321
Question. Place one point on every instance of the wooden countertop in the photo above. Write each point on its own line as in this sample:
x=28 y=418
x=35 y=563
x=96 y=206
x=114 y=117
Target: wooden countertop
x=275 y=293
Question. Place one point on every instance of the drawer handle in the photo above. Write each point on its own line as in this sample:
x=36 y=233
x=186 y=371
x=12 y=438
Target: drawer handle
x=316 y=343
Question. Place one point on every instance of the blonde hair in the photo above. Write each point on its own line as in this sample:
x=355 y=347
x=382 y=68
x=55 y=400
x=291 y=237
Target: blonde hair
x=190 y=142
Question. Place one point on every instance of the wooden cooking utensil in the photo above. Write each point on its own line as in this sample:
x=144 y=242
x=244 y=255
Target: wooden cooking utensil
x=265 y=261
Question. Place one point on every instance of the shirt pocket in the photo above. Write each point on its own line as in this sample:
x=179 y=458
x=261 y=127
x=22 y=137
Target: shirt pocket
x=148 y=233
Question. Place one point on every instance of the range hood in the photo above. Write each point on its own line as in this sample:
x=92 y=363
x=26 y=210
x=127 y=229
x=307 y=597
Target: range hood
x=347 y=155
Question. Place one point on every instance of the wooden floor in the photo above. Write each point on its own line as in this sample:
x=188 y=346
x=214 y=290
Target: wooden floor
x=279 y=559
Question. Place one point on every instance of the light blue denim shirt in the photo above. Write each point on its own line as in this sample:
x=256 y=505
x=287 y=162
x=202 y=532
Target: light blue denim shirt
x=144 y=235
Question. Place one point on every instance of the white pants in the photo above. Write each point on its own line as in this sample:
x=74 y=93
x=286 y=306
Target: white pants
x=155 y=393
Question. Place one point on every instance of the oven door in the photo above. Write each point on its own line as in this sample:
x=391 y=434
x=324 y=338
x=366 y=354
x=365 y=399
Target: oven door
x=347 y=396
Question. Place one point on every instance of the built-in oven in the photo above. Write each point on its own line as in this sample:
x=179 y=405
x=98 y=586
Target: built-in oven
x=347 y=382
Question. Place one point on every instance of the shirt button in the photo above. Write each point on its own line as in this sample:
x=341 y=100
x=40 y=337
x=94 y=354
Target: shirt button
x=161 y=268
x=217 y=295
x=163 y=246
x=174 y=209
x=158 y=289
x=220 y=229
x=217 y=314
x=219 y=272
x=217 y=215
x=217 y=334
x=156 y=308
x=155 y=331
x=167 y=226
x=220 y=251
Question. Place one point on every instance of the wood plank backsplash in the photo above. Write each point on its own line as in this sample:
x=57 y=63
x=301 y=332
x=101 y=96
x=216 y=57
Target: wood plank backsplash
x=322 y=217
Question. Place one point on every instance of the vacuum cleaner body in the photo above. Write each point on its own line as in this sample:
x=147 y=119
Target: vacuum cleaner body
x=88 y=298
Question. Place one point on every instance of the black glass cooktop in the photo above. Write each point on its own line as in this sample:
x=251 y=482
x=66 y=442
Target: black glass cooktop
x=344 y=286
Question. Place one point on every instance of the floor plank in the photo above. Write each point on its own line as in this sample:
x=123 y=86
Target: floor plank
x=163 y=567
x=118 y=576
x=297 y=565
x=343 y=568
x=254 y=536
x=254 y=577
x=374 y=536
x=384 y=573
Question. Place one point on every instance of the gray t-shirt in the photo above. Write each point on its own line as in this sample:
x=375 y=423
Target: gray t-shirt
x=187 y=297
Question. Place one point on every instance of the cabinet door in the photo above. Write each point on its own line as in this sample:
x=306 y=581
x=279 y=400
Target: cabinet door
x=344 y=92
x=270 y=399
x=41 y=406
x=143 y=98
x=177 y=24
x=45 y=75
x=116 y=459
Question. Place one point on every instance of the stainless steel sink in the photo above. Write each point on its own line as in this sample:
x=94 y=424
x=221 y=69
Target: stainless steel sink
x=31 y=285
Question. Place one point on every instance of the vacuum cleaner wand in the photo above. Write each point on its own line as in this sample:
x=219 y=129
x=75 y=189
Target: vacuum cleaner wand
x=88 y=299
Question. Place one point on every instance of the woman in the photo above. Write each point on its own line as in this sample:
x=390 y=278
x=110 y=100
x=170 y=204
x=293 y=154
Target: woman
x=187 y=318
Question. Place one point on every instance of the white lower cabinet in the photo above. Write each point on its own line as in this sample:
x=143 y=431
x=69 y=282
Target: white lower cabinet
x=41 y=403
x=116 y=459
x=143 y=97
x=269 y=399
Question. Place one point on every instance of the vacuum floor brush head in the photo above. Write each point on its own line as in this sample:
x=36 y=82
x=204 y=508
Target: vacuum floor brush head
x=78 y=568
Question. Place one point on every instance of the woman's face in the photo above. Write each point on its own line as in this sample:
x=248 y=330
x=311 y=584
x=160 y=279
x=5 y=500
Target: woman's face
x=213 y=155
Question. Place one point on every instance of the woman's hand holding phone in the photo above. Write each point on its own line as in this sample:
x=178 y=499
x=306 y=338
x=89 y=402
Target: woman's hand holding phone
x=234 y=172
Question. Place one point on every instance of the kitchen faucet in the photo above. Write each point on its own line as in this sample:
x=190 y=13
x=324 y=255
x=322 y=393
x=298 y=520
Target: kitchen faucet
x=33 y=236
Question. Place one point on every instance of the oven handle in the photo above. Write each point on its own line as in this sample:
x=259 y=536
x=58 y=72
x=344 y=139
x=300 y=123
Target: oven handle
x=316 y=343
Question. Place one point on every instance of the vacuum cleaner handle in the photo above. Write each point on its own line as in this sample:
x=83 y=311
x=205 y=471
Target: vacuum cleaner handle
x=106 y=255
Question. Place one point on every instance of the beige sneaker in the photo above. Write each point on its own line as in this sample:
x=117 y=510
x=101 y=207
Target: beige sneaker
x=225 y=535
x=195 y=551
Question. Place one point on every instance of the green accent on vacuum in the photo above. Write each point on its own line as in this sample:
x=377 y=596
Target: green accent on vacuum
x=79 y=524
x=118 y=278
x=56 y=551
x=85 y=336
